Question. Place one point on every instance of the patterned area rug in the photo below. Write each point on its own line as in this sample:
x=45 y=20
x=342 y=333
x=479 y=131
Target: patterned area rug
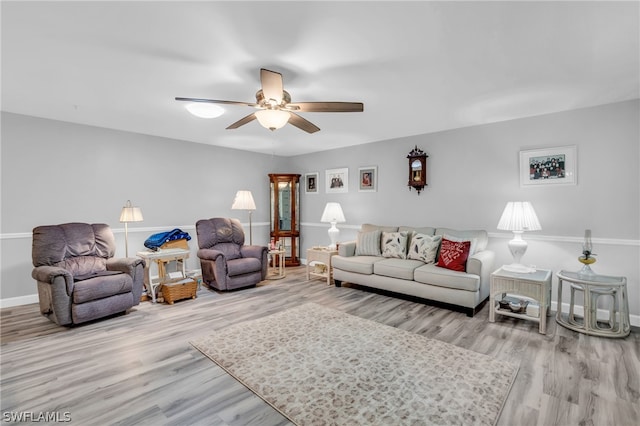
x=319 y=366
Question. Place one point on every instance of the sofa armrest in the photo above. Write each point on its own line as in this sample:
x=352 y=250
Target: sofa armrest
x=209 y=254
x=481 y=264
x=134 y=267
x=347 y=249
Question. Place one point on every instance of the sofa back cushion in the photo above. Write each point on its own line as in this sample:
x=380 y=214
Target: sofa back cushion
x=481 y=237
x=368 y=243
x=367 y=227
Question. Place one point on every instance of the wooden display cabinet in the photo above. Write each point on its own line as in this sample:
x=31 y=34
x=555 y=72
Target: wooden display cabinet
x=285 y=214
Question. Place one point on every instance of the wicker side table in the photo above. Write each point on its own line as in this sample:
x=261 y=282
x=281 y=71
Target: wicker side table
x=536 y=285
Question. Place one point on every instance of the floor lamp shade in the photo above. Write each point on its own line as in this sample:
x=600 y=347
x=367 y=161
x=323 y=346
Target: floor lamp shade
x=128 y=214
x=333 y=214
x=518 y=217
x=244 y=201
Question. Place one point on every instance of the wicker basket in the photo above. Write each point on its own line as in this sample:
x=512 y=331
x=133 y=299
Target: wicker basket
x=183 y=289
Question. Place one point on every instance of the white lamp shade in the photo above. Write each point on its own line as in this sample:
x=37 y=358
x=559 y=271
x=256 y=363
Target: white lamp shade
x=130 y=213
x=243 y=201
x=205 y=110
x=272 y=119
x=519 y=216
x=333 y=213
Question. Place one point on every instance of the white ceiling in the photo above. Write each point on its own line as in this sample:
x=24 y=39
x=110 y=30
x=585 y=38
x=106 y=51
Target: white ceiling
x=418 y=67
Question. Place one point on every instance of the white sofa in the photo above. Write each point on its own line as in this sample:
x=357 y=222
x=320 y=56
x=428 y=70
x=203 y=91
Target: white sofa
x=467 y=289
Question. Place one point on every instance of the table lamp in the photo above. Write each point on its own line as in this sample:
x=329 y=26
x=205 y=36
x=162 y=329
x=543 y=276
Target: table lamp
x=129 y=214
x=333 y=214
x=518 y=216
x=244 y=201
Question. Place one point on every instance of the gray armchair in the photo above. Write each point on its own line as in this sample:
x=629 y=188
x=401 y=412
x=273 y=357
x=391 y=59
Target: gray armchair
x=228 y=264
x=78 y=278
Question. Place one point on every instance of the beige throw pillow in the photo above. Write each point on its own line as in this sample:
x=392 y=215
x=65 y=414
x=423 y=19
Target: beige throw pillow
x=424 y=247
x=368 y=243
x=394 y=244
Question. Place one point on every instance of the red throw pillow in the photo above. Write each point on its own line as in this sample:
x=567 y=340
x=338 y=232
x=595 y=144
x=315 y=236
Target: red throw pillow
x=453 y=254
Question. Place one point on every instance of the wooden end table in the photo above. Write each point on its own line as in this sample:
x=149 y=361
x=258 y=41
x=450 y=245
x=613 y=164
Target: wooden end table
x=161 y=258
x=322 y=255
x=536 y=285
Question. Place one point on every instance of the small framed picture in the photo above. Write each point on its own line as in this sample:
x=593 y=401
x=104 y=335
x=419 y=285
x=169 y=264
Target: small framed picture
x=311 y=183
x=368 y=179
x=548 y=166
x=337 y=180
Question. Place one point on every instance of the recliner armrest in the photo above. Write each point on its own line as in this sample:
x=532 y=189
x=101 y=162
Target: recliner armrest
x=52 y=275
x=253 y=251
x=209 y=254
x=124 y=264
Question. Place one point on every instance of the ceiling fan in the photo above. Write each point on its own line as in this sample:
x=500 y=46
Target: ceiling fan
x=275 y=108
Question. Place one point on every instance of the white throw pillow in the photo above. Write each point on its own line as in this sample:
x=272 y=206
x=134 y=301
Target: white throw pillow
x=394 y=244
x=424 y=247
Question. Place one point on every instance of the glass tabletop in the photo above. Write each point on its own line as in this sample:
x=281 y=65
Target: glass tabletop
x=590 y=278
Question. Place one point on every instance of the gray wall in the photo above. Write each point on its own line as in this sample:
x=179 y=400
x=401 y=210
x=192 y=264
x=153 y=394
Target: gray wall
x=471 y=172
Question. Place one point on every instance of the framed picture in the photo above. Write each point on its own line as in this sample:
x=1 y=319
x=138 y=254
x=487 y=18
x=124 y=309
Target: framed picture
x=337 y=180
x=311 y=183
x=368 y=179
x=548 y=166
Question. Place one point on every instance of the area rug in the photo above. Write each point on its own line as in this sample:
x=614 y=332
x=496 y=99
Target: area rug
x=320 y=366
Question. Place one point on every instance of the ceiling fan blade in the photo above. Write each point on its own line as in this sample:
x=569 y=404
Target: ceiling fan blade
x=215 y=101
x=272 y=86
x=302 y=123
x=328 y=106
x=244 y=120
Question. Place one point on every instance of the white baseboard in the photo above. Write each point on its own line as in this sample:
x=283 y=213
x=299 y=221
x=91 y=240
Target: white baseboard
x=18 y=301
x=602 y=314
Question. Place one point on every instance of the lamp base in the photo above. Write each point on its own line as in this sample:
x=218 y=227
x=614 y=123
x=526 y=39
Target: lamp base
x=519 y=268
x=333 y=236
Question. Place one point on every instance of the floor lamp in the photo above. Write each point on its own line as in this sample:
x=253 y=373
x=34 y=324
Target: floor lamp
x=244 y=201
x=129 y=214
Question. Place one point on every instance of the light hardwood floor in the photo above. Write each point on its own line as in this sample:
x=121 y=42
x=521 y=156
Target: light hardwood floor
x=139 y=368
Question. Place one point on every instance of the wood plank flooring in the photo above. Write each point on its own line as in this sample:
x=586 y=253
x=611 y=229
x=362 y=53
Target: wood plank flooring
x=140 y=369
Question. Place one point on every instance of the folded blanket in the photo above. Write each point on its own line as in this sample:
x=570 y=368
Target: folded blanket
x=156 y=240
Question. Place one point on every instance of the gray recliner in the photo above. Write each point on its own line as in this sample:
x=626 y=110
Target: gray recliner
x=228 y=264
x=78 y=278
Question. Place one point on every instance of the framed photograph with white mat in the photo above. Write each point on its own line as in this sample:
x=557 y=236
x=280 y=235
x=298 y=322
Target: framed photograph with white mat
x=337 y=180
x=368 y=179
x=548 y=166
x=311 y=183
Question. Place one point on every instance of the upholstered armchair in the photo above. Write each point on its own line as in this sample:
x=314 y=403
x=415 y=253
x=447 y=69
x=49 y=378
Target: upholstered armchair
x=78 y=278
x=228 y=264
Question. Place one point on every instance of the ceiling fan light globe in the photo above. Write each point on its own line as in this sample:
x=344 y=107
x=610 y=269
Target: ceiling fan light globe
x=272 y=119
x=204 y=110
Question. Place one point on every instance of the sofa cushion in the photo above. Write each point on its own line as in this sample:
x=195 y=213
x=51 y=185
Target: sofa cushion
x=424 y=247
x=394 y=244
x=357 y=264
x=442 y=277
x=396 y=268
x=453 y=254
x=481 y=236
x=368 y=243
